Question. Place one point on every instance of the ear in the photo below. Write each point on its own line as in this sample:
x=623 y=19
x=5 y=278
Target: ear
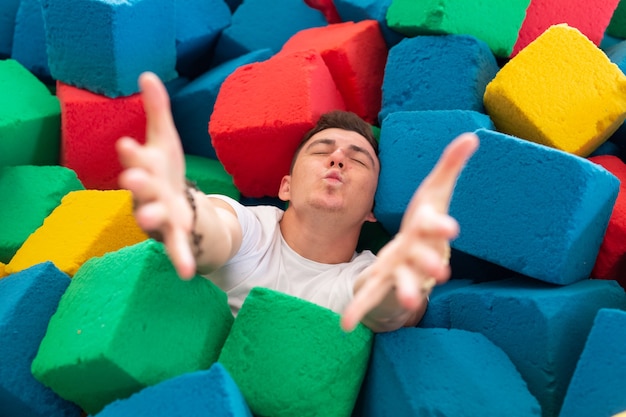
x=284 y=191
x=371 y=218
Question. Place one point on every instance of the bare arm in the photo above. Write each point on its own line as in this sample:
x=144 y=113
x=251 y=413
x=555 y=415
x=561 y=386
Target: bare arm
x=392 y=292
x=155 y=174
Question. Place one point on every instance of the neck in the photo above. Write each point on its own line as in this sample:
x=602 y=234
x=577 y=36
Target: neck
x=320 y=238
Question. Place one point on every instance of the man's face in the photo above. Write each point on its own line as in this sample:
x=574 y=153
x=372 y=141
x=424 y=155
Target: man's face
x=336 y=170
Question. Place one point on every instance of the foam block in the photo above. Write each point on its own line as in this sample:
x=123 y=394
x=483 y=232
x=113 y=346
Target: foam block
x=513 y=206
x=264 y=24
x=284 y=97
x=27 y=301
x=108 y=332
x=597 y=385
x=193 y=104
x=357 y=10
x=418 y=76
x=198 y=25
x=8 y=11
x=437 y=313
x=29 y=40
x=617 y=24
x=590 y=17
x=609 y=263
x=30 y=118
x=30 y=193
x=87 y=223
x=202 y=393
x=328 y=9
x=290 y=357
x=210 y=176
x=90 y=125
x=541 y=327
x=495 y=22
x=560 y=91
x=103 y=46
x=441 y=372
x=355 y=54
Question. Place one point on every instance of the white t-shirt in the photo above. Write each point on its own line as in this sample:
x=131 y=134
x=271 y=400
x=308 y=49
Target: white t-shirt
x=265 y=260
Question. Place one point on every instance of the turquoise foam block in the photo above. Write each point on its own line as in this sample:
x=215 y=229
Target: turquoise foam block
x=193 y=104
x=103 y=46
x=202 y=393
x=264 y=24
x=597 y=387
x=358 y=10
x=419 y=76
x=8 y=12
x=441 y=372
x=29 y=40
x=27 y=301
x=535 y=210
x=541 y=327
x=437 y=313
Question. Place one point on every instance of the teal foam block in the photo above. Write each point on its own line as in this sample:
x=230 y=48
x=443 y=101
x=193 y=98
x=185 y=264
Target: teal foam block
x=126 y=322
x=358 y=10
x=202 y=393
x=597 y=387
x=437 y=313
x=8 y=12
x=290 y=357
x=541 y=327
x=27 y=301
x=29 y=40
x=437 y=73
x=441 y=372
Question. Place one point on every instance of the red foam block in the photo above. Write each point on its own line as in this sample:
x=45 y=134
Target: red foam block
x=261 y=113
x=90 y=126
x=328 y=9
x=611 y=260
x=591 y=17
x=356 y=54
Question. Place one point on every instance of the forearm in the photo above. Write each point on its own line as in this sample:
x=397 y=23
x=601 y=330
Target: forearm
x=389 y=315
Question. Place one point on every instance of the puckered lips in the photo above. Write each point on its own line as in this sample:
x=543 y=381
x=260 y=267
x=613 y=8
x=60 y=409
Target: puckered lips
x=333 y=177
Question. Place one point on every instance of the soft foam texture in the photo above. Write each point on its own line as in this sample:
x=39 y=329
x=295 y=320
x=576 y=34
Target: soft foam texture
x=210 y=176
x=284 y=97
x=418 y=76
x=596 y=388
x=87 y=223
x=103 y=45
x=30 y=193
x=108 y=331
x=29 y=118
x=357 y=10
x=8 y=12
x=591 y=17
x=441 y=372
x=328 y=9
x=495 y=22
x=541 y=327
x=201 y=393
x=561 y=91
x=355 y=54
x=29 y=39
x=27 y=301
x=91 y=124
x=617 y=24
x=290 y=358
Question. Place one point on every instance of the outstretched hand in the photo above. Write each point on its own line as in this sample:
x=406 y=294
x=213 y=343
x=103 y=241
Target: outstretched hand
x=417 y=257
x=155 y=174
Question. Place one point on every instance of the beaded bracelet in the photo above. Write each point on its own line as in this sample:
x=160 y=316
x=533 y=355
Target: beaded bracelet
x=196 y=238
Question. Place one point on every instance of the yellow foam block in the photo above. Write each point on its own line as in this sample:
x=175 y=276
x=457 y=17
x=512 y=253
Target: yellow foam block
x=2 y=270
x=86 y=224
x=560 y=91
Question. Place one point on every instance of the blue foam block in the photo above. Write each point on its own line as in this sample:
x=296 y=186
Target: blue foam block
x=541 y=327
x=597 y=387
x=103 y=46
x=209 y=392
x=192 y=105
x=27 y=301
x=29 y=40
x=8 y=11
x=438 y=312
x=261 y=24
x=440 y=372
x=358 y=10
x=198 y=24
x=445 y=72
x=532 y=209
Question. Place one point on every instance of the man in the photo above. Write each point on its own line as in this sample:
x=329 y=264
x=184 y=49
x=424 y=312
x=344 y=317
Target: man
x=330 y=190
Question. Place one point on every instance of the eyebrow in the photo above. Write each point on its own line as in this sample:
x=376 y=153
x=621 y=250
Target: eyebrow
x=355 y=148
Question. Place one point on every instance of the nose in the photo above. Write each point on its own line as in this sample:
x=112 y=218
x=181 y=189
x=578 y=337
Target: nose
x=336 y=158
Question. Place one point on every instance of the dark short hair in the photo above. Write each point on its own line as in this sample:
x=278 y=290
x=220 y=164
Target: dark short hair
x=339 y=119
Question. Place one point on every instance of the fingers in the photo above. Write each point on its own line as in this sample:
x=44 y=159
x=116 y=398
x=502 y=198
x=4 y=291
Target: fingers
x=452 y=161
x=156 y=102
x=369 y=296
x=179 y=250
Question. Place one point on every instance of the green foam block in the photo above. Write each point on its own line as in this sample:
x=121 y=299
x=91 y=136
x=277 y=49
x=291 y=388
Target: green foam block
x=29 y=194
x=30 y=118
x=289 y=357
x=127 y=322
x=495 y=22
x=210 y=176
